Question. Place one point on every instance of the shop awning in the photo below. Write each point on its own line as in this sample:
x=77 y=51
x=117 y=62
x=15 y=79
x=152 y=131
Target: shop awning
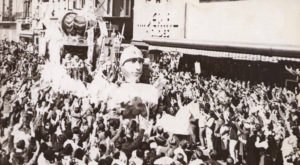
x=26 y=34
x=225 y=54
x=274 y=50
x=139 y=43
x=241 y=51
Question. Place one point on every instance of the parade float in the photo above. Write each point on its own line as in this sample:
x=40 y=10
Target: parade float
x=73 y=44
x=79 y=37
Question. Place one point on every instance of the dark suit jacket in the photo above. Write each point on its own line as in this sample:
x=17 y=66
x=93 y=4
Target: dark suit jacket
x=128 y=147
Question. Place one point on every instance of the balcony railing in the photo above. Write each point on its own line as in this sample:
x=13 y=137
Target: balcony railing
x=23 y=15
x=17 y=15
x=9 y=18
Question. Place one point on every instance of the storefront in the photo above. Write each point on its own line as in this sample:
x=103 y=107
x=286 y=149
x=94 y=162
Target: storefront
x=8 y=30
x=257 y=63
x=27 y=37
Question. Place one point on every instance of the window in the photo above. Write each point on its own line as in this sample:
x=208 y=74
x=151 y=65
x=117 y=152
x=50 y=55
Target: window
x=78 y=4
x=82 y=3
x=128 y=7
x=70 y=4
x=7 y=10
x=27 y=5
x=113 y=8
x=74 y=5
x=25 y=26
x=108 y=6
x=118 y=8
x=121 y=8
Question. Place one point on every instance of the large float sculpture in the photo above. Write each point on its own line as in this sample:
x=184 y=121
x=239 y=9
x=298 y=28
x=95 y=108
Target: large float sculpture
x=82 y=31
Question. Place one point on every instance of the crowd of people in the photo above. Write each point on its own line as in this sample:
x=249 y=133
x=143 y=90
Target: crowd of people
x=231 y=122
x=243 y=122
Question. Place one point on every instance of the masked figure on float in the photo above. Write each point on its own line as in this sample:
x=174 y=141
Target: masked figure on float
x=132 y=98
x=131 y=64
x=127 y=96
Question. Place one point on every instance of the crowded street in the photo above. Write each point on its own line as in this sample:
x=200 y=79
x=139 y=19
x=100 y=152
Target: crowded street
x=226 y=121
x=135 y=83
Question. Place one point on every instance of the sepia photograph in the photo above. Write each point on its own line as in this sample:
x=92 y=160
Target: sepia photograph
x=149 y=82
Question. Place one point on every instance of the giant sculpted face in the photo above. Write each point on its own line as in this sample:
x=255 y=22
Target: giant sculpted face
x=131 y=62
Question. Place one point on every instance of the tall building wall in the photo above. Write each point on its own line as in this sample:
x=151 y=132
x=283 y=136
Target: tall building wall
x=1 y=9
x=8 y=31
x=8 y=26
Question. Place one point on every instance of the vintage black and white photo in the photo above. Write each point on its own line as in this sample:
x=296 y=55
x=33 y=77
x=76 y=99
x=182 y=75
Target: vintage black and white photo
x=149 y=82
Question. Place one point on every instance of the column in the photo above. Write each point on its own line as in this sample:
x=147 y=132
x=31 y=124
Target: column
x=18 y=29
x=1 y=9
x=10 y=9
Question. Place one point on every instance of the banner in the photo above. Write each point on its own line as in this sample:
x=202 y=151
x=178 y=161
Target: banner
x=126 y=92
x=193 y=107
x=197 y=67
x=103 y=28
x=42 y=46
x=101 y=38
x=90 y=42
x=181 y=121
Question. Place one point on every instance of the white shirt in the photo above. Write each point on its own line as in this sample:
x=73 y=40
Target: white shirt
x=21 y=135
x=42 y=160
x=118 y=162
x=210 y=122
x=202 y=120
x=196 y=162
x=123 y=157
x=74 y=146
x=298 y=99
x=137 y=161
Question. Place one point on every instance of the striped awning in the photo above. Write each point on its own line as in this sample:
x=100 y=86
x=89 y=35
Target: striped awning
x=223 y=54
x=26 y=34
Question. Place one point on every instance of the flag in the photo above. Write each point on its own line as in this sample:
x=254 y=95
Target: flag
x=181 y=120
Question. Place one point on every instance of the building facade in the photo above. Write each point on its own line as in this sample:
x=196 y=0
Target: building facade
x=27 y=19
x=10 y=11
